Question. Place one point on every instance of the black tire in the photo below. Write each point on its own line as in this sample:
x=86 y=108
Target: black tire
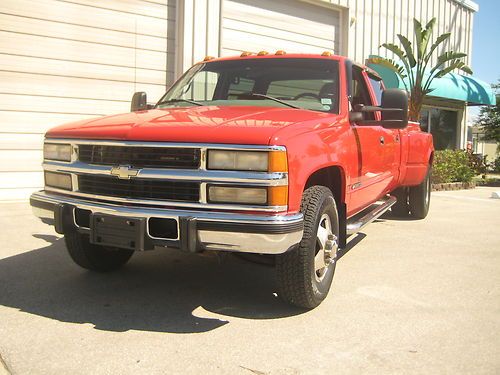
x=420 y=198
x=401 y=208
x=299 y=283
x=95 y=257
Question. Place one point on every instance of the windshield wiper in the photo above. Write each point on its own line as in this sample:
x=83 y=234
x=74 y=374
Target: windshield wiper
x=275 y=99
x=178 y=101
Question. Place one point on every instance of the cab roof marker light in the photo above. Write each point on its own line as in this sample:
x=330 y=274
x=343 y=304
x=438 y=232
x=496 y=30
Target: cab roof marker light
x=262 y=53
x=208 y=58
x=327 y=53
x=280 y=52
x=245 y=54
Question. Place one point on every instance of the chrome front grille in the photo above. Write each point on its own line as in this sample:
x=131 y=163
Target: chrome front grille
x=140 y=157
x=156 y=173
x=139 y=188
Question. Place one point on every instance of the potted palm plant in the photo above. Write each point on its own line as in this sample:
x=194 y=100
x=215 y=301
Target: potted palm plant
x=414 y=66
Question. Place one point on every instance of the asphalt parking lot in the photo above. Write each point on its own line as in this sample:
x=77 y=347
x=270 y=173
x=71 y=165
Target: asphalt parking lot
x=408 y=297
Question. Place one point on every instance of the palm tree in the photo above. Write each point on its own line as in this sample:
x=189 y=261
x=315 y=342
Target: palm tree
x=414 y=66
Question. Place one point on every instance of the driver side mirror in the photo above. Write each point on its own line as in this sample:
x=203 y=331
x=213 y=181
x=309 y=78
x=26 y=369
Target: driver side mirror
x=394 y=110
x=139 y=102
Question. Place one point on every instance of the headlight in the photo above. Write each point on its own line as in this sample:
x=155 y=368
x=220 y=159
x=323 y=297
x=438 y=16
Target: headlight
x=58 y=180
x=238 y=160
x=56 y=151
x=271 y=196
x=258 y=161
x=224 y=194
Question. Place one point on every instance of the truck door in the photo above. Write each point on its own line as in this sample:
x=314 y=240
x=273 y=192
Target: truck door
x=375 y=146
x=392 y=143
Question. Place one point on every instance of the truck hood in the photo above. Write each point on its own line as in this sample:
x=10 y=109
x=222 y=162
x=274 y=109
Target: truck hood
x=207 y=124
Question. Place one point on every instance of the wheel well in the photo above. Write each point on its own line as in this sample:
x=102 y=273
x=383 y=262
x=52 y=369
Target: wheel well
x=331 y=177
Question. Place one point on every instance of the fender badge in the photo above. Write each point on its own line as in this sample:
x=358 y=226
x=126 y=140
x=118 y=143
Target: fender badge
x=124 y=172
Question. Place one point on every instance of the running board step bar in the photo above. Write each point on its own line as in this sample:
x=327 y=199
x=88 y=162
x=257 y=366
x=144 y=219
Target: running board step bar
x=359 y=221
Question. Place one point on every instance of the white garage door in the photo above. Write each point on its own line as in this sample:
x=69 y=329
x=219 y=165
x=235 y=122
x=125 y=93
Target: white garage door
x=290 y=25
x=62 y=61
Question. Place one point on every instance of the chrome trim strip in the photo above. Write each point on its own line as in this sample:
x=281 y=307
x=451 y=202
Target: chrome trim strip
x=236 y=177
x=151 y=202
x=141 y=211
x=217 y=146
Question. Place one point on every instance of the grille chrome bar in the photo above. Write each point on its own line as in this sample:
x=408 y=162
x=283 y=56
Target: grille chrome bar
x=218 y=146
x=252 y=178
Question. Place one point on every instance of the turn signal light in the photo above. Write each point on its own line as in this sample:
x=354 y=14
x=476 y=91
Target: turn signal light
x=263 y=53
x=277 y=195
x=277 y=161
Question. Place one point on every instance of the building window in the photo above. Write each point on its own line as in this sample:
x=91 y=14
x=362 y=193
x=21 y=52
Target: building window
x=442 y=124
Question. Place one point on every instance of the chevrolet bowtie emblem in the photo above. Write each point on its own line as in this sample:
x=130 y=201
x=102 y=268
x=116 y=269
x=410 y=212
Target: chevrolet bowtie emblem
x=124 y=172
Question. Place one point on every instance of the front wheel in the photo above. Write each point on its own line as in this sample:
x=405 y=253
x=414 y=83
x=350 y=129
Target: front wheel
x=305 y=273
x=419 y=198
x=95 y=257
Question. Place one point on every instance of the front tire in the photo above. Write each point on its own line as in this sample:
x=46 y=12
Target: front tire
x=95 y=257
x=305 y=273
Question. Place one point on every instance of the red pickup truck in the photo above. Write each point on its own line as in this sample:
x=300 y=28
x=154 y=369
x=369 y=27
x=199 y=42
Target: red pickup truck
x=281 y=155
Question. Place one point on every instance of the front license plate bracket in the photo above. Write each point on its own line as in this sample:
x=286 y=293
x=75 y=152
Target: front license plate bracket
x=117 y=231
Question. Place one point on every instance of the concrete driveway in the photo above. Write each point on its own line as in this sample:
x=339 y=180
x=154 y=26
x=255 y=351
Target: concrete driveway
x=408 y=297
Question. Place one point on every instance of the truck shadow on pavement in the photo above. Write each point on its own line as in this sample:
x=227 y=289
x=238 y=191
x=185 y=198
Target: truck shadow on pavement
x=162 y=291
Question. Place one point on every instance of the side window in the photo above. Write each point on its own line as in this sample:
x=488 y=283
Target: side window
x=360 y=94
x=377 y=86
x=202 y=86
x=239 y=86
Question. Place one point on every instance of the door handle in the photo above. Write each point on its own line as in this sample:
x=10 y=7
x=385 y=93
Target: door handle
x=382 y=140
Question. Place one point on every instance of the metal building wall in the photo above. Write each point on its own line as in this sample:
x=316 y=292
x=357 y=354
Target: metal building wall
x=63 y=61
x=373 y=22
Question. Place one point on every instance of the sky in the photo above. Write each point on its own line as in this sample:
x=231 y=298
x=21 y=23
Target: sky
x=486 y=44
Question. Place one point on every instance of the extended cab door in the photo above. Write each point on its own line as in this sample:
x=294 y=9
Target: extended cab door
x=375 y=149
x=392 y=141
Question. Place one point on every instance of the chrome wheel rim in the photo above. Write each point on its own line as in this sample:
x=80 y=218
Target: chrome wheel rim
x=326 y=248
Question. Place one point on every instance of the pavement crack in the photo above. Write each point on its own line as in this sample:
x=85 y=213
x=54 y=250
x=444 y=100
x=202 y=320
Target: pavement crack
x=254 y=371
x=4 y=369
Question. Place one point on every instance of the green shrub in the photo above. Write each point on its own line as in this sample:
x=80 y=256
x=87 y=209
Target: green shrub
x=495 y=166
x=453 y=166
x=478 y=163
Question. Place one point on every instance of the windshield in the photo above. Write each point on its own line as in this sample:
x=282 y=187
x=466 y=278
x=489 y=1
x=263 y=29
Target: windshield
x=293 y=82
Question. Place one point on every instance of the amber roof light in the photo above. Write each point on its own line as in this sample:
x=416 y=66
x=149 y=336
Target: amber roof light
x=263 y=53
x=280 y=52
x=246 y=53
x=326 y=53
x=208 y=58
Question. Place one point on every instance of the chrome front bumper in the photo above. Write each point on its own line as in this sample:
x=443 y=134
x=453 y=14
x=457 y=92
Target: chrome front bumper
x=197 y=230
